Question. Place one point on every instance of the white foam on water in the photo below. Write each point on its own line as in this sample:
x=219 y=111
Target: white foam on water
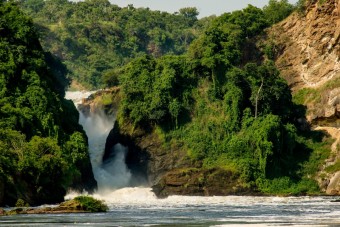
x=78 y=96
x=265 y=225
x=112 y=174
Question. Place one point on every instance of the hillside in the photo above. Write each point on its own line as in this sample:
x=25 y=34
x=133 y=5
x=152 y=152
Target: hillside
x=206 y=107
x=308 y=56
x=43 y=149
x=94 y=37
x=218 y=111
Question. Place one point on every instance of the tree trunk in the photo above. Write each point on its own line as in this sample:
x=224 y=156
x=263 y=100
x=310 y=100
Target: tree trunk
x=257 y=98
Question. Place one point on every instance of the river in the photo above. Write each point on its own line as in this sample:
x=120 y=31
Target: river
x=139 y=207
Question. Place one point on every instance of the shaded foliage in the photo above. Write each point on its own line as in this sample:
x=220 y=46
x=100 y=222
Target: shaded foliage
x=40 y=156
x=242 y=117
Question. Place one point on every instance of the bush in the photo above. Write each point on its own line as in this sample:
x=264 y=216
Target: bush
x=90 y=204
x=21 y=203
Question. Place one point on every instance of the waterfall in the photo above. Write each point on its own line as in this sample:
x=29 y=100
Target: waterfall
x=113 y=173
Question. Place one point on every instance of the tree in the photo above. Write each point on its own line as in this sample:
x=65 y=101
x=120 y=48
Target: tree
x=93 y=36
x=251 y=20
x=34 y=5
x=35 y=126
x=277 y=10
x=270 y=93
x=190 y=14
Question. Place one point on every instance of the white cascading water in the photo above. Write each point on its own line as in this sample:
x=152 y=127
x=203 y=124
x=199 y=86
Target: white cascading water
x=140 y=206
x=113 y=174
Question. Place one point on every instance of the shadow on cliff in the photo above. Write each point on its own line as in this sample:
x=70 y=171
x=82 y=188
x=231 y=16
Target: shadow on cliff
x=306 y=153
x=136 y=160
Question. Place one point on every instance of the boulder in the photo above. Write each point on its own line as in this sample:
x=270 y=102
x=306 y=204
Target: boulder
x=200 y=182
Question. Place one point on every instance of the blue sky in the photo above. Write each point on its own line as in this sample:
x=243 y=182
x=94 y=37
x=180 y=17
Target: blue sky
x=205 y=7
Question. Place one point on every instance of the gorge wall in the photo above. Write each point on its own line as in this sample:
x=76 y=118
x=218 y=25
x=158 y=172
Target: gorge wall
x=307 y=47
x=167 y=169
x=308 y=56
x=146 y=158
x=307 y=53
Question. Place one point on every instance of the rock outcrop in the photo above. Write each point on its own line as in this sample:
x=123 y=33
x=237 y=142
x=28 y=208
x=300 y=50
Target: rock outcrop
x=307 y=52
x=308 y=46
x=200 y=182
x=147 y=154
x=70 y=206
x=308 y=55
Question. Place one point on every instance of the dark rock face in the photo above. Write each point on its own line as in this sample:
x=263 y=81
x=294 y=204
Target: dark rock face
x=166 y=166
x=86 y=181
x=147 y=157
x=200 y=182
x=136 y=159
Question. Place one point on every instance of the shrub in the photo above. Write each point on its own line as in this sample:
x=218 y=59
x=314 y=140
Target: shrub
x=90 y=204
x=21 y=203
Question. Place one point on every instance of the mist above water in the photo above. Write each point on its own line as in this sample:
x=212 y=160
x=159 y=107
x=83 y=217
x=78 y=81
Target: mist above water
x=113 y=173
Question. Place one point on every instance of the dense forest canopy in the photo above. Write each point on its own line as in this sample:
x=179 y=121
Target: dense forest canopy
x=43 y=150
x=224 y=102
x=206 y=86
x=94 y=36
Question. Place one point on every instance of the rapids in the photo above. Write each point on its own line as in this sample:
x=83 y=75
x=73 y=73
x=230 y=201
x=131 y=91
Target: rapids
x=139 y=206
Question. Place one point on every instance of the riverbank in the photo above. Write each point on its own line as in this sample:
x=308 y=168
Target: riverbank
x=80 y=204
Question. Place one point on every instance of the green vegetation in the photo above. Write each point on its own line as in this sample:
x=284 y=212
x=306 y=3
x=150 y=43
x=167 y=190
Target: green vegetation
x=333 y=168
x=43 y=150
x=226 y=110
x=93 y=37
x=21 y=203
x=277 y=10
x=90 y=204
x=203 y=85
x=312 y=95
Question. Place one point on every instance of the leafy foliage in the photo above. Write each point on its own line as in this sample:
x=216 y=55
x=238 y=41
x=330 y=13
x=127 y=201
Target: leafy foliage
x=90 y=204
x=154 y=90
x=42 y=149
x=229 y=112
x=21 y=203
x=203 y=83
x=94 y=36
x=277 y=10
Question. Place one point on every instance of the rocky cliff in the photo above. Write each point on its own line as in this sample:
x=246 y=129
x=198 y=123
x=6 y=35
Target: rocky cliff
x=153 y=162
x=308 y=47
x=146 y=156
x=307 y=52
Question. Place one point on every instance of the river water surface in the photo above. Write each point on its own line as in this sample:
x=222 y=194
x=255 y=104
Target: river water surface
x=139 y=207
